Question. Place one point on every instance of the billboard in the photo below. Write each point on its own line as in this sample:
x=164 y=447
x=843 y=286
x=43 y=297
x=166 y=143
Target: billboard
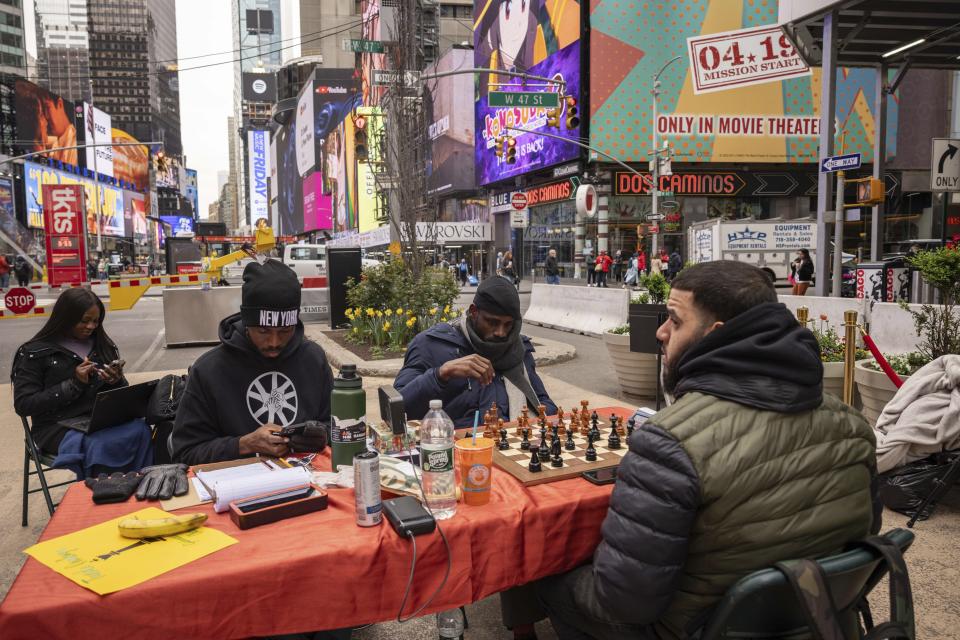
x=111 y=198
x=131 y=163
x=63 y=227
x=775 y=122
x=45 y=121
x=371 y=30
x=99 y=128
x=258 y=170
x=259 y=87
x=336 y=95
x=317 y=205
x=450 y=114
x=134 y=214
x=191 y=190
x=368 y=193
x=306 y=146
x=540 y=37
x=289 y=185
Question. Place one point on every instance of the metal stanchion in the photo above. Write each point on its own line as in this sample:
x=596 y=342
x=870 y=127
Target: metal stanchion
x=803 y=315
x=849 y=354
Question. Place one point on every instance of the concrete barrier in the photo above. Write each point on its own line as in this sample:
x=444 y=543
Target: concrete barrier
x=892 y=328
x=315 y=305
x=586 y=310
x=191 y=316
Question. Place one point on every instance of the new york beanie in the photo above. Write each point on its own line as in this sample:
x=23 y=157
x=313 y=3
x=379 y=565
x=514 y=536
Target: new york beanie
x=270 y=296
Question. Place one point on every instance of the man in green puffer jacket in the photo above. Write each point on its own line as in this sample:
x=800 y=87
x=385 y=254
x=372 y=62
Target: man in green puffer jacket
x=751 y=465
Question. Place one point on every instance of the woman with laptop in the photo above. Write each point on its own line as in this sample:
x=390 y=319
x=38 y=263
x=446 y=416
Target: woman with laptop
x=56 y=377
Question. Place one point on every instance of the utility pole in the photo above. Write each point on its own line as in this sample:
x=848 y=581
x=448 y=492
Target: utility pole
x=838 y=237
x=655 y=191
x=91 y=127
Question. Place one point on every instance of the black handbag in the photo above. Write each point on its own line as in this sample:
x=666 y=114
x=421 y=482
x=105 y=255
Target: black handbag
x=165 y=399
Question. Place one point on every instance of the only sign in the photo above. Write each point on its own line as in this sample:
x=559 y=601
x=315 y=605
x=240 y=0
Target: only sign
x=19 y=300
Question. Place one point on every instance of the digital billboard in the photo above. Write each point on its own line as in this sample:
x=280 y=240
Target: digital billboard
x=336 y=95
x=540 y=37
x=367 y=189
x=371 y=30
x=317 y=205
x=774 y=122
x=191 y=190
x=131 y=163
x=450 y=114
x=289 y=185
x=258 y=170
x=45 y=121
x=111 y=199
x=134 y=215
x=259 y=87
x=98 y=131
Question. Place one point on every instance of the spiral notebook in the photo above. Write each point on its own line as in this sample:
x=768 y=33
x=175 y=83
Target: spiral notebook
x=237 y=483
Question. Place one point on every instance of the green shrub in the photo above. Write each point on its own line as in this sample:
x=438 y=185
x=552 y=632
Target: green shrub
x=904 y=365
x=657 y=286
x=832 y=346
x=938 y=326
x=622 y=330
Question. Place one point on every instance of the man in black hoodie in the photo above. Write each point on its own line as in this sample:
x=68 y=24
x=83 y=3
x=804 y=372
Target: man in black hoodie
x=752 y=464
x=262 y=377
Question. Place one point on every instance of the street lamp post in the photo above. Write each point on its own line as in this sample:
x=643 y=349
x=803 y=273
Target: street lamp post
x=655 y=192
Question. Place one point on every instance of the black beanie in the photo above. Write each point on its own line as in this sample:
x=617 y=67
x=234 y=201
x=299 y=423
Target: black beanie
x=498 y=296
x=270 y=295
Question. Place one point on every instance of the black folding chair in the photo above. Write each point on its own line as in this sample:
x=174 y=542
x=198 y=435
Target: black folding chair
x=41 y=463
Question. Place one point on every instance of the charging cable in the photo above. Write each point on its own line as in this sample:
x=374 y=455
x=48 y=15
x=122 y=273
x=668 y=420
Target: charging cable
x=413 y=560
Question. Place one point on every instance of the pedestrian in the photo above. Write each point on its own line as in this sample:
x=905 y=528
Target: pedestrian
x=551 y=268
x=602 y=268
x=801 y=270
x=4 y=272
x=656 y=265
x=618 y=265
x=464 y=272
x=102 y=268
x=499 y=263
x=23 y=271
x=589 y=263
x=674 y=264
x=641 y=261
x=633 y=273
x=509 y=270
x=91 y=269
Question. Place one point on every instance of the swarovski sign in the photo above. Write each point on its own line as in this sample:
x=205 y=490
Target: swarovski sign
x=444 y=232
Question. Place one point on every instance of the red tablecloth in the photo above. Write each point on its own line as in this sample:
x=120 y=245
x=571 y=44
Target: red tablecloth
x=317 y=571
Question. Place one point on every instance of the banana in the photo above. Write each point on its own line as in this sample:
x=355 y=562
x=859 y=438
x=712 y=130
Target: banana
x=136 y=528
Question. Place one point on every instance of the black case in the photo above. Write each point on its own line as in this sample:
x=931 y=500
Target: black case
x=408 y=517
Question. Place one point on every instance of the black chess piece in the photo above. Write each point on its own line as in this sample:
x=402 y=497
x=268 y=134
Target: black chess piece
x=544 y=447
x=534 y=465
x=594 y=420
x=591 y=452
x=613 y=441
x=555 y=430
x=503 y=444
x=525 y=443
x=556 y=460
x=630 y=426
x=570 y=445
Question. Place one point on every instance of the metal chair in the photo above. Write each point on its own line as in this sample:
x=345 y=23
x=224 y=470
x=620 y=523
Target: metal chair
x=763 y=606
x=42 y=463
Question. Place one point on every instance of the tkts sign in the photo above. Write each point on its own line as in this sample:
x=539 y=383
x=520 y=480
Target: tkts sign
x=63 y=224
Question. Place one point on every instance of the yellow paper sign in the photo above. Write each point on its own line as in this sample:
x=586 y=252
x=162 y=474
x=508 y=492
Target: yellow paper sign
x=102 y=560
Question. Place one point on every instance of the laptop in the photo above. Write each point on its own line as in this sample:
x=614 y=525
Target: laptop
x=114 y=407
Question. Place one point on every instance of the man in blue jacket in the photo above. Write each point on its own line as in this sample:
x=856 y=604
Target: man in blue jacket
x=474 y=361
x=470 y=363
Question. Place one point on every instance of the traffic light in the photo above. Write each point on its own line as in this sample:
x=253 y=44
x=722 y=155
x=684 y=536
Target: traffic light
x=553 y=117
x=511 y=150
x=360 y=145
x=501 y=143
x=573 y=119
x=870 y=191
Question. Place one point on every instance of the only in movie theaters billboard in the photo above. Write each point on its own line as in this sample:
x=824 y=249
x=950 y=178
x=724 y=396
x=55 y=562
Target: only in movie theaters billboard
x=258 y=162
x=451 y=132
x=45 y=121
x=111 y=199
x=540 y=37
x=778 y=121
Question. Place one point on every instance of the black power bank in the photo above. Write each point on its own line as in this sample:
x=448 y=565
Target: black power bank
x=408 y=517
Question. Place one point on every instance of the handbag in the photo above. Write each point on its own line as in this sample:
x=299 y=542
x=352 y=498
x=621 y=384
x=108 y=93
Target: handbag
x=598 y=268
x=165 y=399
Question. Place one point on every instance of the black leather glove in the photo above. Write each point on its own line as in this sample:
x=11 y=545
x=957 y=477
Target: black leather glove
x=312 y=440
x=163 y=481
x=116 y=487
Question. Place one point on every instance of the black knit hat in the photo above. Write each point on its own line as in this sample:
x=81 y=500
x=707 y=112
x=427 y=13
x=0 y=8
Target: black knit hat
x=270 y=295
x=498 y=296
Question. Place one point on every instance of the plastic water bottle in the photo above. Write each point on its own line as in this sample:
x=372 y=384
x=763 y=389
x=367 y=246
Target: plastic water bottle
x=436 y=461
x=450 y=624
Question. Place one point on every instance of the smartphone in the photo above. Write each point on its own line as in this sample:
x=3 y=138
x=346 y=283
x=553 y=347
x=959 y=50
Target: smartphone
x=601 y=476
x=288 y=432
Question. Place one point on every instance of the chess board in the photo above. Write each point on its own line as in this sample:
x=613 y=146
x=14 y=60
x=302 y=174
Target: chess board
x=515 y=460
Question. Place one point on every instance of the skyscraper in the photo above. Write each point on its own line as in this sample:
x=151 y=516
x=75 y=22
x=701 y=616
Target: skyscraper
x=133 y=62
x=63 y=48
x=13 y=55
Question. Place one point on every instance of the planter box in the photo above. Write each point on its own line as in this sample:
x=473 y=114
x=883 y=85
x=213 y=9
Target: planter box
x=875 y=389
x=636 y=372
x=645 y=319
x=833 y=382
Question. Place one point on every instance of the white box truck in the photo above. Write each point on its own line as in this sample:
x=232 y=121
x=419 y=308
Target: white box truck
x=768 y=244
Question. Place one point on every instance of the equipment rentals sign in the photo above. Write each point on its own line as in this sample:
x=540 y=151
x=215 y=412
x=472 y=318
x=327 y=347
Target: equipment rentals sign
x=63 y=223
x=742 y=58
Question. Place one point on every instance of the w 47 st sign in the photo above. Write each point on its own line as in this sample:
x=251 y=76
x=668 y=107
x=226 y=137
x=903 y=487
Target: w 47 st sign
x=64 y=224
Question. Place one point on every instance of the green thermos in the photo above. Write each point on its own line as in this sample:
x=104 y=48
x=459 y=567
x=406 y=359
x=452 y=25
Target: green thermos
x=348 y=410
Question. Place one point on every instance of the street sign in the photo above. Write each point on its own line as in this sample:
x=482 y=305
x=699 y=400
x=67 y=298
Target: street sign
x=520 y=218
x=544 y=99
x=366 y=46
x=519 y=201
x=382 y=77
x=945 y=165
x=840 y=163
x=19 y=300
x=652 y=217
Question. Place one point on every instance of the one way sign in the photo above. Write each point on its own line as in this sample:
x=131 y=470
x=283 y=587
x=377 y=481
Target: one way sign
x=839 y=163
x=945 y=165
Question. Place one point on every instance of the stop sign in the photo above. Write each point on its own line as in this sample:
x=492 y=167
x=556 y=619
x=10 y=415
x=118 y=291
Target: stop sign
x=19 y=300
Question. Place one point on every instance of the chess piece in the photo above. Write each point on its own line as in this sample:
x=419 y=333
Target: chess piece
x=613 y=441
x=555 y=431
x=522 y=420
x=570 y=445
x=556 y=460
x=630 y=426
x=525 y=443
x=584 y=423
x=574 y=418
x=541 y=411
x=591 y=455
x=560 y=414
x=616 y=424
x=534 y=465
x=544 y=447
x=503 y=445
x=595 y=426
